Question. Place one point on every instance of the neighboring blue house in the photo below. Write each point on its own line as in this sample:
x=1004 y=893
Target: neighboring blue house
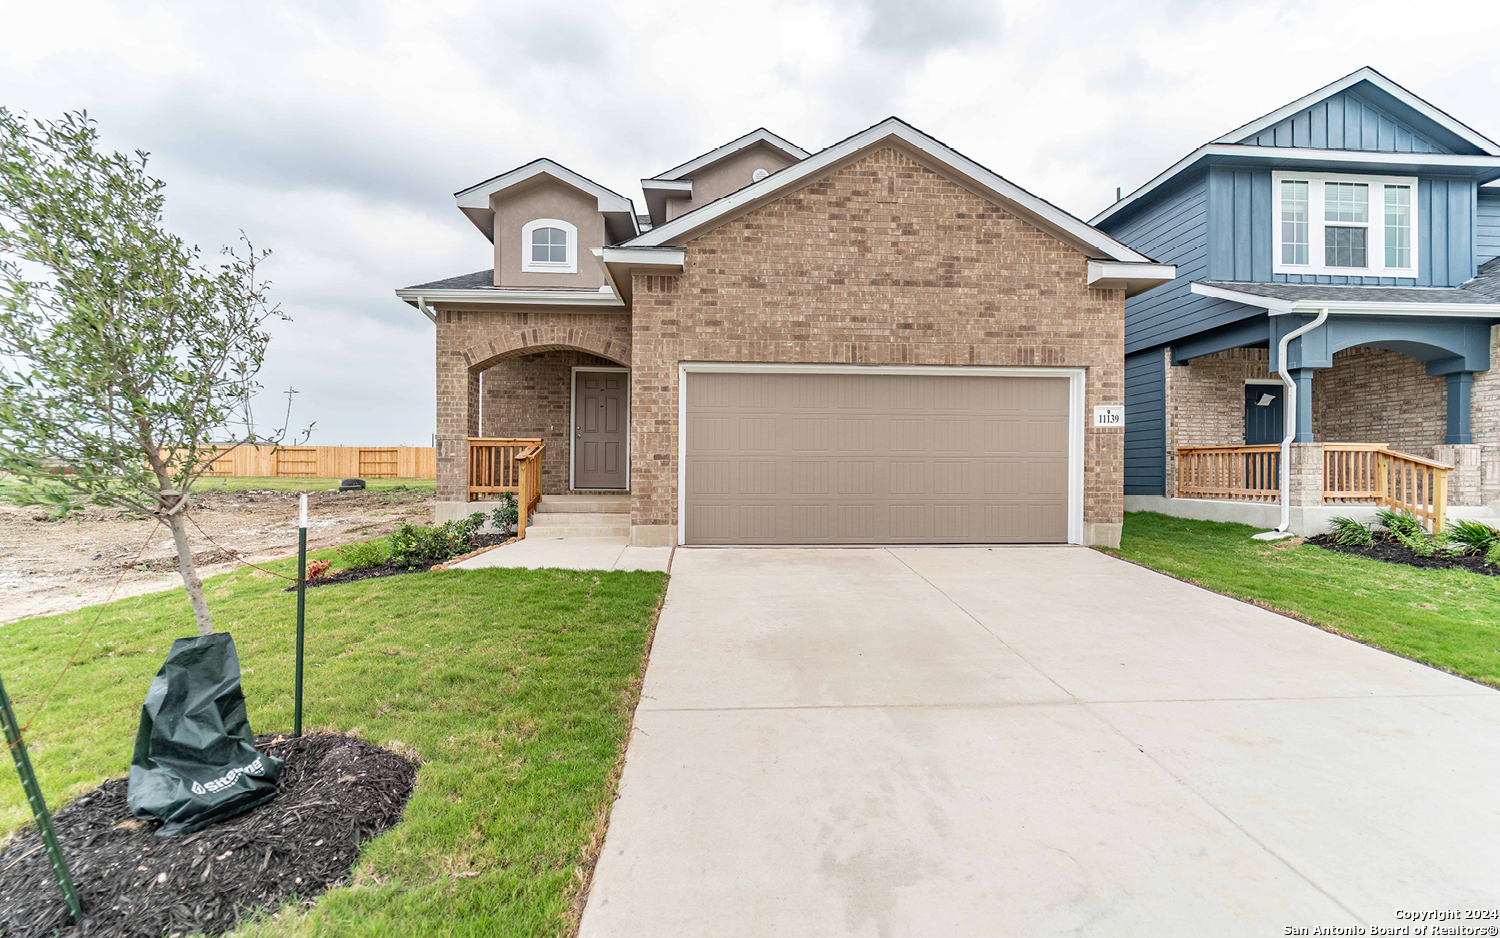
x=1361 y=200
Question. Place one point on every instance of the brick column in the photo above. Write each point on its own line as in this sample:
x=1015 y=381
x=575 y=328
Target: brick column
x=1465 y=486
x=1306 y=482
x=457 y=420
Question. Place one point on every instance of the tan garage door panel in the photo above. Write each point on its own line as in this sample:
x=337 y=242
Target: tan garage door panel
x=843 y=459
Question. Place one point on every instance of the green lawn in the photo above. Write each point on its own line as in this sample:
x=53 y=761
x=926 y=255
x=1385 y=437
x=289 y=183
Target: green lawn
x=515 y=687
x=300 y=484
x=1449 y=619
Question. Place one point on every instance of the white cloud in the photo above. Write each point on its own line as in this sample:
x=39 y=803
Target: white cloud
x=335 y=133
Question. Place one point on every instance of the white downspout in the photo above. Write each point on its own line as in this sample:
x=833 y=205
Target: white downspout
x=1290 y=422
x=422 y=305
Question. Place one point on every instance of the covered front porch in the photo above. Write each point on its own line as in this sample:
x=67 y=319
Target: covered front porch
x=1384 y=417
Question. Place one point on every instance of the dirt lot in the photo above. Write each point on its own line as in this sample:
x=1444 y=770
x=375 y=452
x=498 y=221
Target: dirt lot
x=48 y=567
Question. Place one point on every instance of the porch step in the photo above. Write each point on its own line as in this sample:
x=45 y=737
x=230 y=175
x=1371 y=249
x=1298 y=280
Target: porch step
x=573 y=519
x=610 y=504
x=577 y=530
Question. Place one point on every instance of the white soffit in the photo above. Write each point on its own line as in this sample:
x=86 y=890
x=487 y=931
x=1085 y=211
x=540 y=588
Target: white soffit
x=991 y=185
x=1279 y=307
x=1134 y=279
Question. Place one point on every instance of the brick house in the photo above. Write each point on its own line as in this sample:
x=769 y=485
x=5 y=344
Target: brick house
x=1359 y=224
x=881 y=342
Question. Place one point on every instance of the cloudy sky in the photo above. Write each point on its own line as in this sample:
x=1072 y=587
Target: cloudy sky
x=335 y=132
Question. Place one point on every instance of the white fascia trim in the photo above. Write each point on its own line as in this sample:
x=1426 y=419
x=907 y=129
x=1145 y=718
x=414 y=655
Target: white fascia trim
x=759 y=135
x=793 y=176
x=1277 y=157
x=653 y=258
x=1076 y=400
x=604 y=296
x=478 y=196
x=1277 y=307
x=1132 y=278
x=1447 y=121
x=683 y=186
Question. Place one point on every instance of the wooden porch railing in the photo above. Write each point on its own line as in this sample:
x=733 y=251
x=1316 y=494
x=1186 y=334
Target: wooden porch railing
x=1352 y=473
x=505 y=464
x=1236 y=473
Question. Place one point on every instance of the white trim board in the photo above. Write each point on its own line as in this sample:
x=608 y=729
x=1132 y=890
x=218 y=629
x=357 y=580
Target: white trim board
x=756 y=136
x=604 y=296
x=573 y=420
x=1280 y=307
x=984 y=181
x=1076 y=397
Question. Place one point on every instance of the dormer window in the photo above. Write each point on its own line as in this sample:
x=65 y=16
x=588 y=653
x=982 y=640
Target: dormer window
x=549 y=246
x=1360 y=226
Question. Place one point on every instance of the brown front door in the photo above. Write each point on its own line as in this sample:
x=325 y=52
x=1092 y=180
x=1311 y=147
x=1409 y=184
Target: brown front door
x=600 y=429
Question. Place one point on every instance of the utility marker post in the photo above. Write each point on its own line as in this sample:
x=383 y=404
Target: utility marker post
x=301 y=608
x=33 y=791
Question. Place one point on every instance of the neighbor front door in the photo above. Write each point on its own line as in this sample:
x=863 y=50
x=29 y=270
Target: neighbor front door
x=601 y=405
x=1263 y=415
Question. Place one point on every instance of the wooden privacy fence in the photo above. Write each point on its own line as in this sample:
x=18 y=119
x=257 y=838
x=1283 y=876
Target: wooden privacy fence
x=328 y=462
x=1238 y=473
x=507 y=464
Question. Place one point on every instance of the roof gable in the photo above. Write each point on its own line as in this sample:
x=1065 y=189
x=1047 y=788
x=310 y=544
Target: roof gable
x=618 y=211
x=1363 y=111
x=759 y=136
x=936 y=155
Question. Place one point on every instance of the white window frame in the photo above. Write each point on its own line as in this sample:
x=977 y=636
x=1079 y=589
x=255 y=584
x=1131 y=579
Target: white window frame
x=1316 y=240
x=549 y=267
x=1076 y=398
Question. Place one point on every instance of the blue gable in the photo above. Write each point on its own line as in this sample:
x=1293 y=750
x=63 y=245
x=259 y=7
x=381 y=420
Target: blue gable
x=1350 y=121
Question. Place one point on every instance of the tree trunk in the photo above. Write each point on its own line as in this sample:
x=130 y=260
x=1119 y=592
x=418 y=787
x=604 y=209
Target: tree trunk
x=189 y=571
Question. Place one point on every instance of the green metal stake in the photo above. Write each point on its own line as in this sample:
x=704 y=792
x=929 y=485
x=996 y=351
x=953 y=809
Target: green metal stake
x=301 y=609
x=38 y=806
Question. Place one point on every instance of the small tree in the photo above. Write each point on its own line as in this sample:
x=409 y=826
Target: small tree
x=124 y=355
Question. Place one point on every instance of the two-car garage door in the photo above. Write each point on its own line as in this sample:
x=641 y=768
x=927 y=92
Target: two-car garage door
x=810 y=458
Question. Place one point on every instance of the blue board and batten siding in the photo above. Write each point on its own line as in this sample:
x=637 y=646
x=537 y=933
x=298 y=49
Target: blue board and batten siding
x=1173 y=231
x=1347 y=121
x=1241 y=236
x=1487 y=226
x=1145 y=423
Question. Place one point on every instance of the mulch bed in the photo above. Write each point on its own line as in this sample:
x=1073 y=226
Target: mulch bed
x=1395 y=552
x=482 y=542
x=335 y=793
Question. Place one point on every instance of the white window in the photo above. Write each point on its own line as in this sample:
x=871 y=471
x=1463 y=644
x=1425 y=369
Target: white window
x=549 y=246
x=1333 y=225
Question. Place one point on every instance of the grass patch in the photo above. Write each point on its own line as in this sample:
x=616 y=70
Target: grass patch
x=515 y=687
x=301 y=484
x=1449 y=619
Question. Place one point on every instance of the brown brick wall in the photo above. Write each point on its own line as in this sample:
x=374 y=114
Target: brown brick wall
x=1485 y=418
x=882 y=262
x=1206 y=401
x=1371 y=395
x=469 y=341
x=530 y=396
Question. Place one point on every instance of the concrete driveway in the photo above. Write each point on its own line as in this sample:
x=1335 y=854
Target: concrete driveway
x=1030 y=741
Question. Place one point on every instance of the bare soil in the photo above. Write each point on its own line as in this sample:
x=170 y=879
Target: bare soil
x=57 y=566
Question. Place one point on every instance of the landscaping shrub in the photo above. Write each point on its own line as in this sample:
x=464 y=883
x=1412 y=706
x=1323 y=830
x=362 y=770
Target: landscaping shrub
x=1471 y=537
x=504 y=518
x=1350 y=533
x=413 y=545
x=1405 y=529
x=365 y=554
x=1493 y=555
x=316 y=568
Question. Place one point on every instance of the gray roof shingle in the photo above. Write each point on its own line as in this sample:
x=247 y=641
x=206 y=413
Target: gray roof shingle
x=1356 y=294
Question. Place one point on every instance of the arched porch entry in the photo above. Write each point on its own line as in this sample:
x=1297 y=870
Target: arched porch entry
x=524 y=386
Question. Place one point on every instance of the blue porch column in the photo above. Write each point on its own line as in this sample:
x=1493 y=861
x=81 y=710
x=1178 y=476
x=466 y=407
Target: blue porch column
x=1460 y=387
x=1303 y=378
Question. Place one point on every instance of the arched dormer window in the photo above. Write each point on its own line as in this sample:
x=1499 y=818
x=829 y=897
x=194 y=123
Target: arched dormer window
x=549 y=246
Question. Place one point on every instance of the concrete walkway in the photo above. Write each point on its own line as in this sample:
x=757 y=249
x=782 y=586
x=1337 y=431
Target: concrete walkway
x=1030 y=741
x=572 y=553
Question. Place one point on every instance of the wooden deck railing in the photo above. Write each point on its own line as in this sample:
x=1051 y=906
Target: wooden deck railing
x=505 y=464
x=1417 y=485
x=1352 y=473
x=1236 y=473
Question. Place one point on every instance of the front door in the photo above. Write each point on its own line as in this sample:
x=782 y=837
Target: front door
x=600 y=429
x=1263 y=415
